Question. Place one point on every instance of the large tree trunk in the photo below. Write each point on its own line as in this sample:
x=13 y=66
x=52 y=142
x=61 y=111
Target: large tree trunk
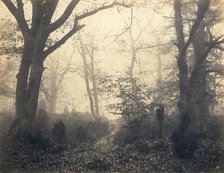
x=28 y=85
x=21 y=90
x=22 y=79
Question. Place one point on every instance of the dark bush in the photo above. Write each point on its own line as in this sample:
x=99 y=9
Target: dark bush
x=82 y=128
x=215 y=127
x=98 y=164
x=148 y=130
x=19 y=151
x=6 y=120
x=141 y=146
x=184 y=145
x=81 y=134
x=98 y=128
x=41 y=126
x=58 y=132
x=123 y=137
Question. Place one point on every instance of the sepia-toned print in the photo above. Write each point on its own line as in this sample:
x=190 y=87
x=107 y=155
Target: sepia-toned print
x=111 y=86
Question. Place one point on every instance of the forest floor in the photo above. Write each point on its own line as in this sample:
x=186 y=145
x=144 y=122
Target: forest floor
x=104 y=156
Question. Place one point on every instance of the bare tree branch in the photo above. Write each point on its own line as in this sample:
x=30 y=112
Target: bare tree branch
x=154 y=46
x=11 y=7
x=63 y=39
x=214 y=43
x=202 y=9
x=104 y=7
x=76 y=27
x=68 y=11
x=127 y=28
x=18 y=14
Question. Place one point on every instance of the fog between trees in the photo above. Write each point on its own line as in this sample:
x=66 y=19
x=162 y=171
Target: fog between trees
x=114 y=77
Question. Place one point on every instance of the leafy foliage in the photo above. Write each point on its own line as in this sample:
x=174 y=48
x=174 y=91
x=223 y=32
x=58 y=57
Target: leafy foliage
x=132 y=101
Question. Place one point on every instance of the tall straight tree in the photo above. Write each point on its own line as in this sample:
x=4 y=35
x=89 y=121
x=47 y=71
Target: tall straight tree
x=87 y=52
x=35 y=37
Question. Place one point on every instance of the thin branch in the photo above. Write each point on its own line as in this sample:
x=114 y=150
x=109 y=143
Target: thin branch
x=217 y=71
x=104 y=7
x=127 y=28
x=154 y=46
x=141 y=31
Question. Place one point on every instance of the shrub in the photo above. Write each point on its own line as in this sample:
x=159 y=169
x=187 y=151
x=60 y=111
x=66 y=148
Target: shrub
x=98 y=164
x=215 y=127
x=184 y=145
x=58 y=132
x=82 y=128
x=81 y=134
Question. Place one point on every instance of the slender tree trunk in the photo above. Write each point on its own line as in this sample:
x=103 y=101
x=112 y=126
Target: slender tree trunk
x=86 y=74
x=53 y=103
x=95 y=93
x=91 y=103
x=159 y=71
x=92 y=95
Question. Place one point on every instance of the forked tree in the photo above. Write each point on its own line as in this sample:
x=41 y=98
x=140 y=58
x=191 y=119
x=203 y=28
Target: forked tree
x=193 y=83
x=35 y=50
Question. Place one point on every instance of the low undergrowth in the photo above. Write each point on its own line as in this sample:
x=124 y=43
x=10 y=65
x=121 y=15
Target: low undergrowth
x=144 y=155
